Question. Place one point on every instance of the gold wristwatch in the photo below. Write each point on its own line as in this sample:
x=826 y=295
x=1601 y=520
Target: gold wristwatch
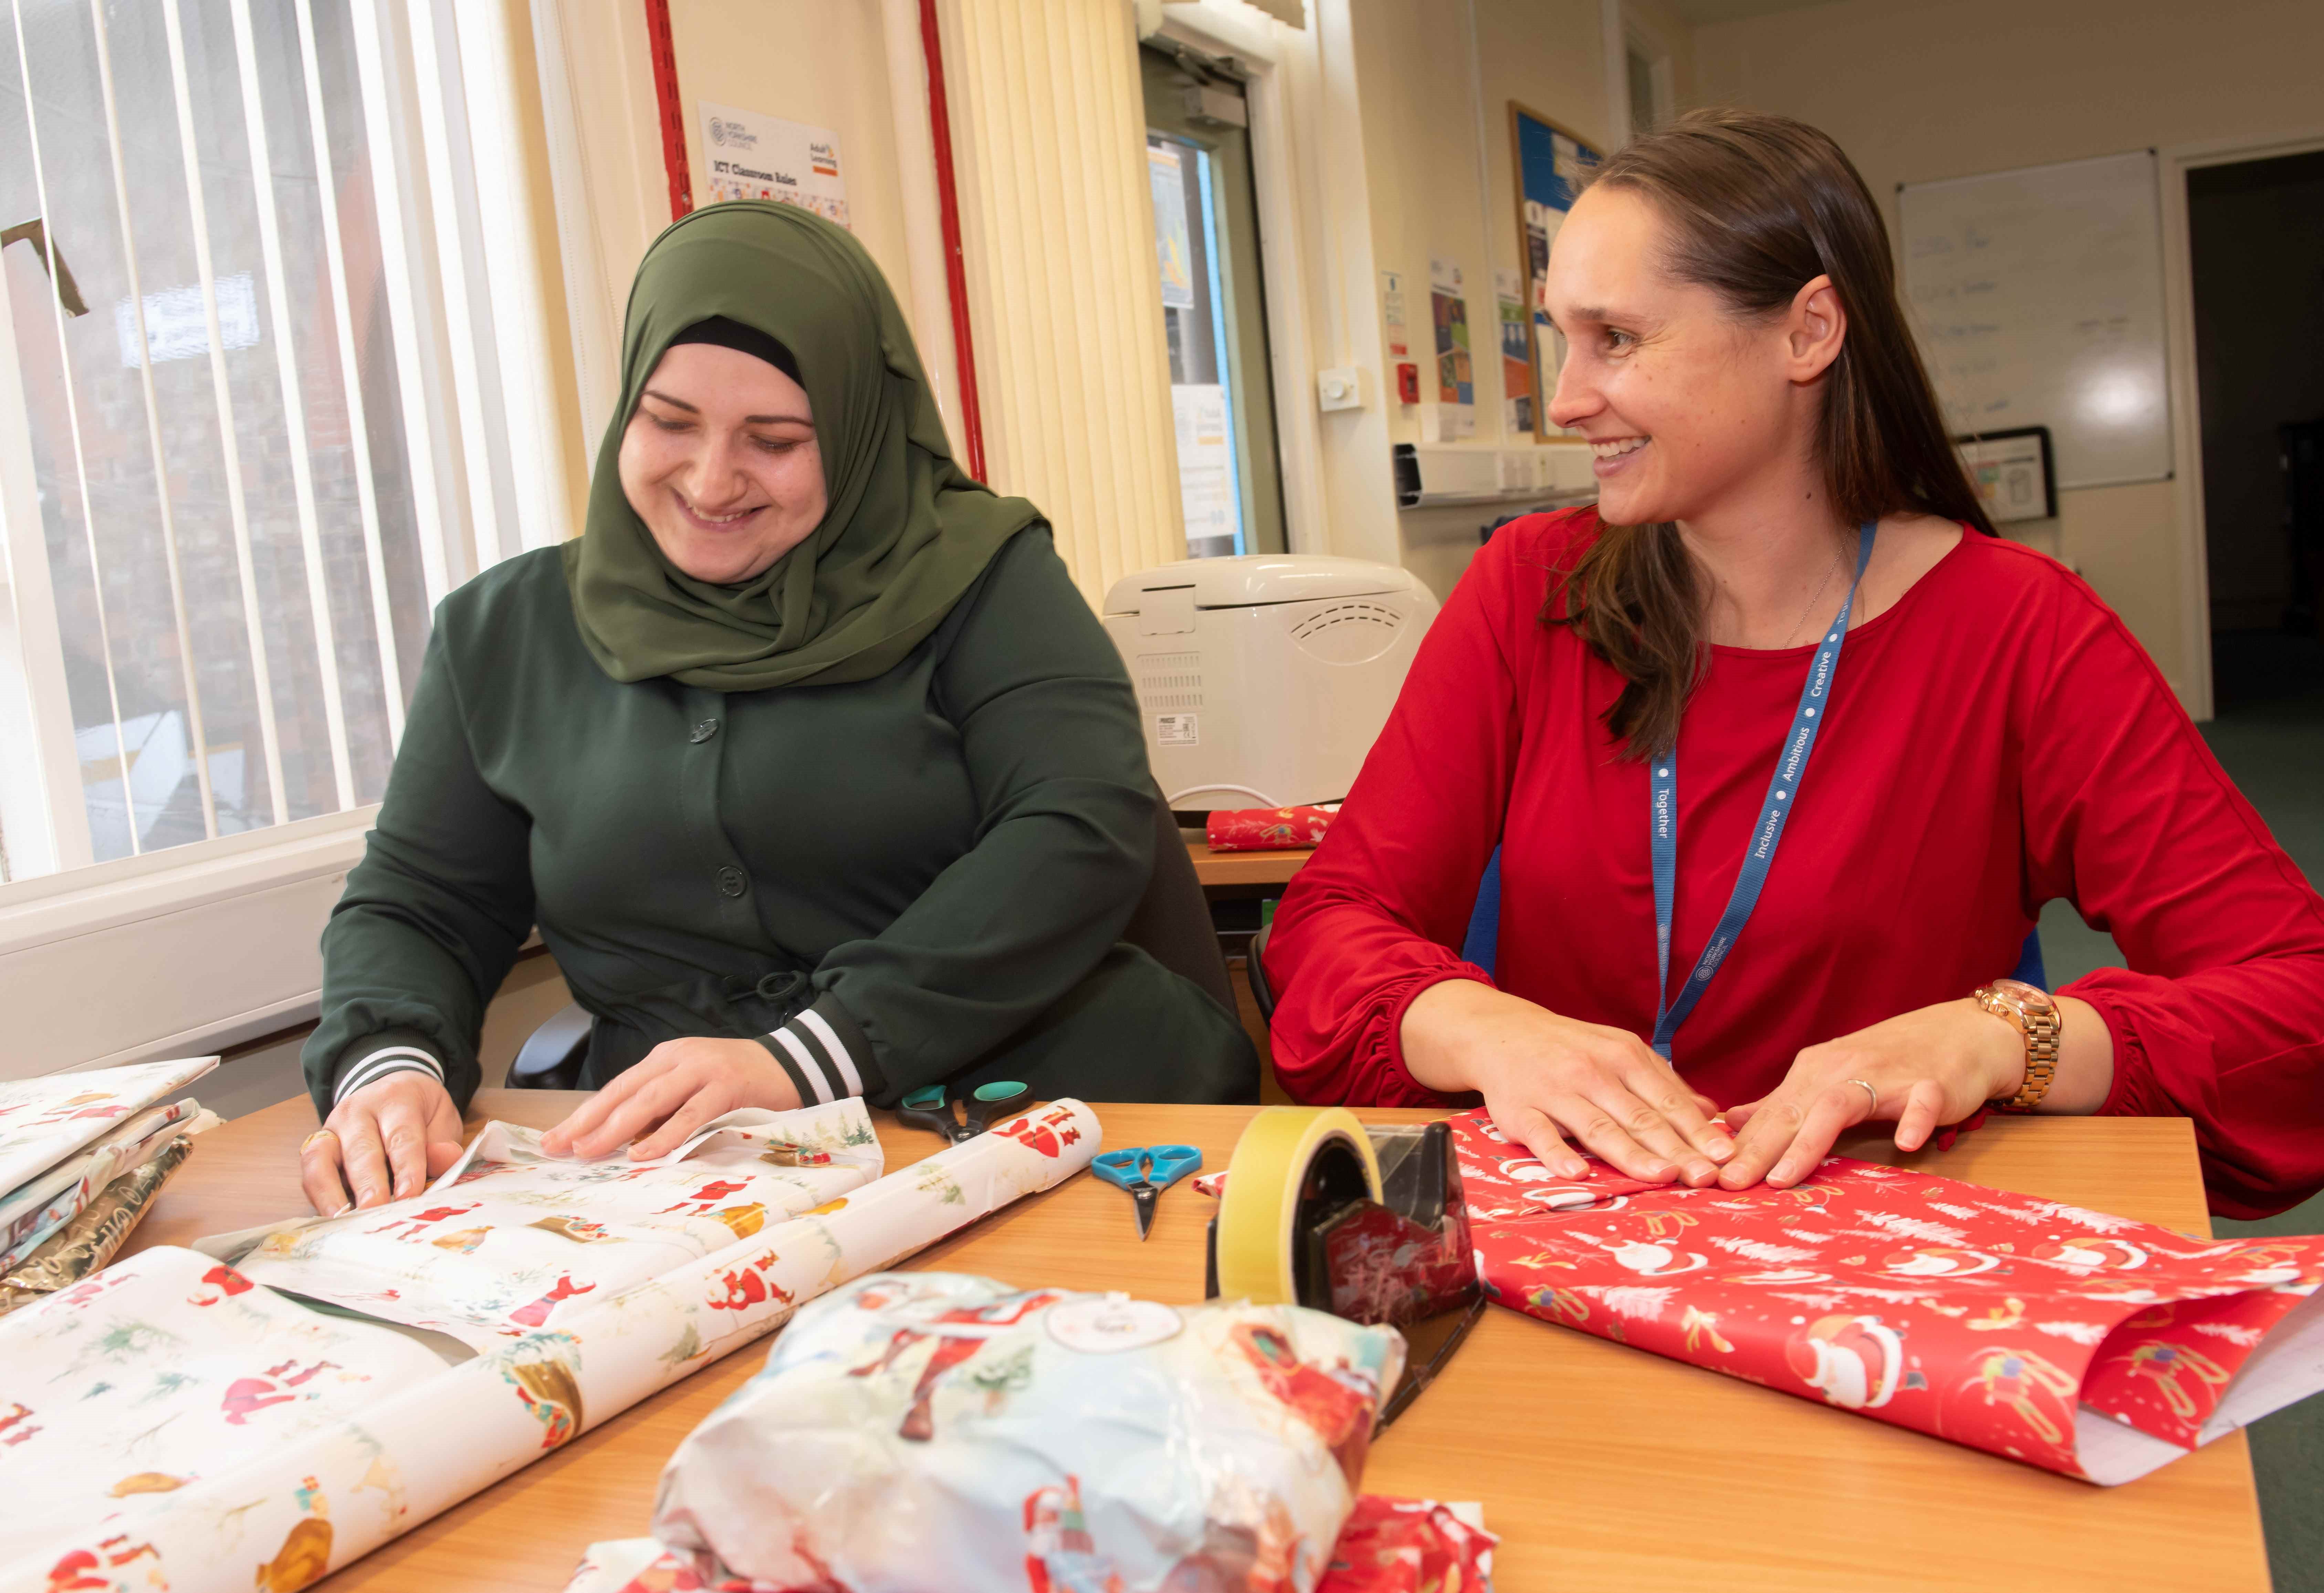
x=2035 y=1015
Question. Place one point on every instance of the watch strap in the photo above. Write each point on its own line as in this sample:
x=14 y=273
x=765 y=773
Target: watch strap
x=2043 y=1032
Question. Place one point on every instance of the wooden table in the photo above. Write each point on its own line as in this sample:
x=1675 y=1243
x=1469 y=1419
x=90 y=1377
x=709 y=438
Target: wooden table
x=1600 y=1467
x=1222 y=870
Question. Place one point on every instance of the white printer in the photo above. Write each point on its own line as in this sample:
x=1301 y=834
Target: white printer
x=1263 y=680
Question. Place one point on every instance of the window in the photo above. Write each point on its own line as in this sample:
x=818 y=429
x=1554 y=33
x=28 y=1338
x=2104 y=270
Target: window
x=220 y=555
x=1214 y=305
x=268 y=387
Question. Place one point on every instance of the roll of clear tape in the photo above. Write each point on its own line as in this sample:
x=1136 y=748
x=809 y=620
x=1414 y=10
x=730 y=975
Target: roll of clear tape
x=1289 y=1158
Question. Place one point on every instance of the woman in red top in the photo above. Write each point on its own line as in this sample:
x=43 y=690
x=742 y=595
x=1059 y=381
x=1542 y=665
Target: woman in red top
x=1995 y=738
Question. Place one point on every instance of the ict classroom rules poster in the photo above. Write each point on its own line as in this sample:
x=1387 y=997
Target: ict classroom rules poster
x=751 y=156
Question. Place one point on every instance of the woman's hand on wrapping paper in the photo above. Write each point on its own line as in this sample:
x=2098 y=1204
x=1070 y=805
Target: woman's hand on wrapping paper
x=664 y=1099
x=1920 y=1070
x=382 y=1142
x=1546 y=1078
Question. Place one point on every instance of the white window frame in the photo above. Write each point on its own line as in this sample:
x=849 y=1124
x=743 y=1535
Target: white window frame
x=205 y=946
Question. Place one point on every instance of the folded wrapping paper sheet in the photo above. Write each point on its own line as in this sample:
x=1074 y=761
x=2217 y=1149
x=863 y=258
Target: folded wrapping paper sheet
x=43 y=1120
x=96 y=1233
x=510 y=1241
x=426 y=1434
x=2083 y=1343
x=40 y=1206
x=918 y=1420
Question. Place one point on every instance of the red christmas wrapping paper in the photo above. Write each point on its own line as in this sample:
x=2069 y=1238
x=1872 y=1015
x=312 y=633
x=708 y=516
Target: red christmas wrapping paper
x=1267 y=829
x=2084 y=1343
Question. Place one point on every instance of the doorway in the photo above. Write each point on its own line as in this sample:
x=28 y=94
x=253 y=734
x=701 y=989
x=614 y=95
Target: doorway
x=2255 y=235
x=1213 y=303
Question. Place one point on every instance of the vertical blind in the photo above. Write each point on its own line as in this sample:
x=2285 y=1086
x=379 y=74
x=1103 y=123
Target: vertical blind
x=255 y=414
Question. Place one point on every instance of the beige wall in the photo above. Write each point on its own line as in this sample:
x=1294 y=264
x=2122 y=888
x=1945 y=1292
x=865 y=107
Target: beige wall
x=1425 y=129
x=1916 y=90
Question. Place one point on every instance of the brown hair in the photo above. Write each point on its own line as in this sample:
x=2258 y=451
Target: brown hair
x=1756 y=206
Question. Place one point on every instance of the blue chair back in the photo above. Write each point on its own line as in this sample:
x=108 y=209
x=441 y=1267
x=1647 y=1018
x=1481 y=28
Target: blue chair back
x=1483 y=938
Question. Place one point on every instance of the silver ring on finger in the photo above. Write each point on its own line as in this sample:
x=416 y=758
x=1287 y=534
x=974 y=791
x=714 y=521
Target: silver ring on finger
x=1869 y=1091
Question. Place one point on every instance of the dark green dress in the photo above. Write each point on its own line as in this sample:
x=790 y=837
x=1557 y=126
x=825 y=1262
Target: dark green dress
x=921 y=877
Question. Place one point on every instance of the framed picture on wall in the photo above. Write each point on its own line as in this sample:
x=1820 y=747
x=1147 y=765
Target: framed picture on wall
x=1549 y=161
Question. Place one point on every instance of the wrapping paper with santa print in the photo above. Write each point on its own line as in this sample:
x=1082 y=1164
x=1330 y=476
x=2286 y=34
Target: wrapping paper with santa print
x=2070 y=1340
x=436 y=1421
x=510 y=1240
x=1042 y=1438
x=1267 y=829
x=43 y=1120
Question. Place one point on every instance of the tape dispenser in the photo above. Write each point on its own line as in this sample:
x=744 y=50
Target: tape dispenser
x=1367 y=1223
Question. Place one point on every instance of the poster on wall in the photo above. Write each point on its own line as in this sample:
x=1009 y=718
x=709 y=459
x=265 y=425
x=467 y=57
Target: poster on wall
x=1517 y=400
x=751 y=156
x=1456 y=376
x=1550 y=162
x=1165 y=181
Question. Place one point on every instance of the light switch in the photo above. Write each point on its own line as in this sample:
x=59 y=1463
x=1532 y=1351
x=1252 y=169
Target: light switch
x=1340 y=388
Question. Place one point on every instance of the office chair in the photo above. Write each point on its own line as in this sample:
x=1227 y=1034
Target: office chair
x=1483 y=938
x=1172 y=925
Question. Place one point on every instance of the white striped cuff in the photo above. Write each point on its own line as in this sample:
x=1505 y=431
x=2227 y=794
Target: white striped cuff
x=823 y=1066
x=386 y=1060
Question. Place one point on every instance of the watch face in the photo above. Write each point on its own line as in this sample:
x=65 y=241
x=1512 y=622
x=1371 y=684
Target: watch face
x=2029 y=998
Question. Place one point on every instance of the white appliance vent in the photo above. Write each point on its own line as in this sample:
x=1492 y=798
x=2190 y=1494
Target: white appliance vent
x=1170 y=680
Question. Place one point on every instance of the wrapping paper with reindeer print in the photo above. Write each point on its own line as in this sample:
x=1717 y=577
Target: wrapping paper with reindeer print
x=2083 y=1343
x=177 y=1422
x=1039 y=1439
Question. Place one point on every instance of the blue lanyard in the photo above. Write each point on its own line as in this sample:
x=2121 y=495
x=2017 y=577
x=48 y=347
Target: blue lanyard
x=1765 y=835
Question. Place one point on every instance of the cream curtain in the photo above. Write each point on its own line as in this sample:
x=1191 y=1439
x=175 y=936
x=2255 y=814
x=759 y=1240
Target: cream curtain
x=1048 y=130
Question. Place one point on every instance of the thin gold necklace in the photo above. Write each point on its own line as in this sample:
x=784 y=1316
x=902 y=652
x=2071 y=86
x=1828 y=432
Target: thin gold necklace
x=1811 y=609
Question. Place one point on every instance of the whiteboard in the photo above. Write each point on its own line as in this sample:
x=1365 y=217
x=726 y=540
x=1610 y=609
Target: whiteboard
x=2038 y=297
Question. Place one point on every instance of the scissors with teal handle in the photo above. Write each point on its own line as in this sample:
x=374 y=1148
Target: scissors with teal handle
x=1146 y=1171
x=984 y=1105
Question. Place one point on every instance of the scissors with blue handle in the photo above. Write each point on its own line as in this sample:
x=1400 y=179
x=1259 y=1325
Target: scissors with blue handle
x=1146 y=1171
x=987 y=1104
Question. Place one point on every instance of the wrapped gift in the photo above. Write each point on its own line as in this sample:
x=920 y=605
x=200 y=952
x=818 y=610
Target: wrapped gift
x=1043 y=1439
x=2084 y=1343
x=1267 y=829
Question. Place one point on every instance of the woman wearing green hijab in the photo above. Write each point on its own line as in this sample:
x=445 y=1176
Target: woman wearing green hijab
x=815 y=770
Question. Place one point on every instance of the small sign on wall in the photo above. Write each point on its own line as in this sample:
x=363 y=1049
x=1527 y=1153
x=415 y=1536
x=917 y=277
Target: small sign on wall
x=751 y=156
x=2012 y=472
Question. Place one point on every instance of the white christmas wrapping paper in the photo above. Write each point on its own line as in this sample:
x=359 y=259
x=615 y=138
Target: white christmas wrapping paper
x=43 y=1120
x=510 y=1240
x=427 y=1432
x=41 y=1205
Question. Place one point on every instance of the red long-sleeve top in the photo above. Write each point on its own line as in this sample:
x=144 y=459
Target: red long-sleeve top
x=1995 y=740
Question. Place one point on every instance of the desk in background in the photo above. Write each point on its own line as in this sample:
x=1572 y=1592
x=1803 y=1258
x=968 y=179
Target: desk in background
x=1601 y=1468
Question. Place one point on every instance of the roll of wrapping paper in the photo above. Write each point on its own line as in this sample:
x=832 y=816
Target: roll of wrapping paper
x=1285 y=1152
x=95 y=1234
x=1267 y=829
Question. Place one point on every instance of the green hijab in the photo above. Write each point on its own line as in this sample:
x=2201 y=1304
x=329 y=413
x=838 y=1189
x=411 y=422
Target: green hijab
x=907 y=532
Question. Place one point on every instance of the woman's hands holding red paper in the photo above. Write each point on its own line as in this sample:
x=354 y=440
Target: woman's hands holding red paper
x=1547 y=1079
x=1926 y=1068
